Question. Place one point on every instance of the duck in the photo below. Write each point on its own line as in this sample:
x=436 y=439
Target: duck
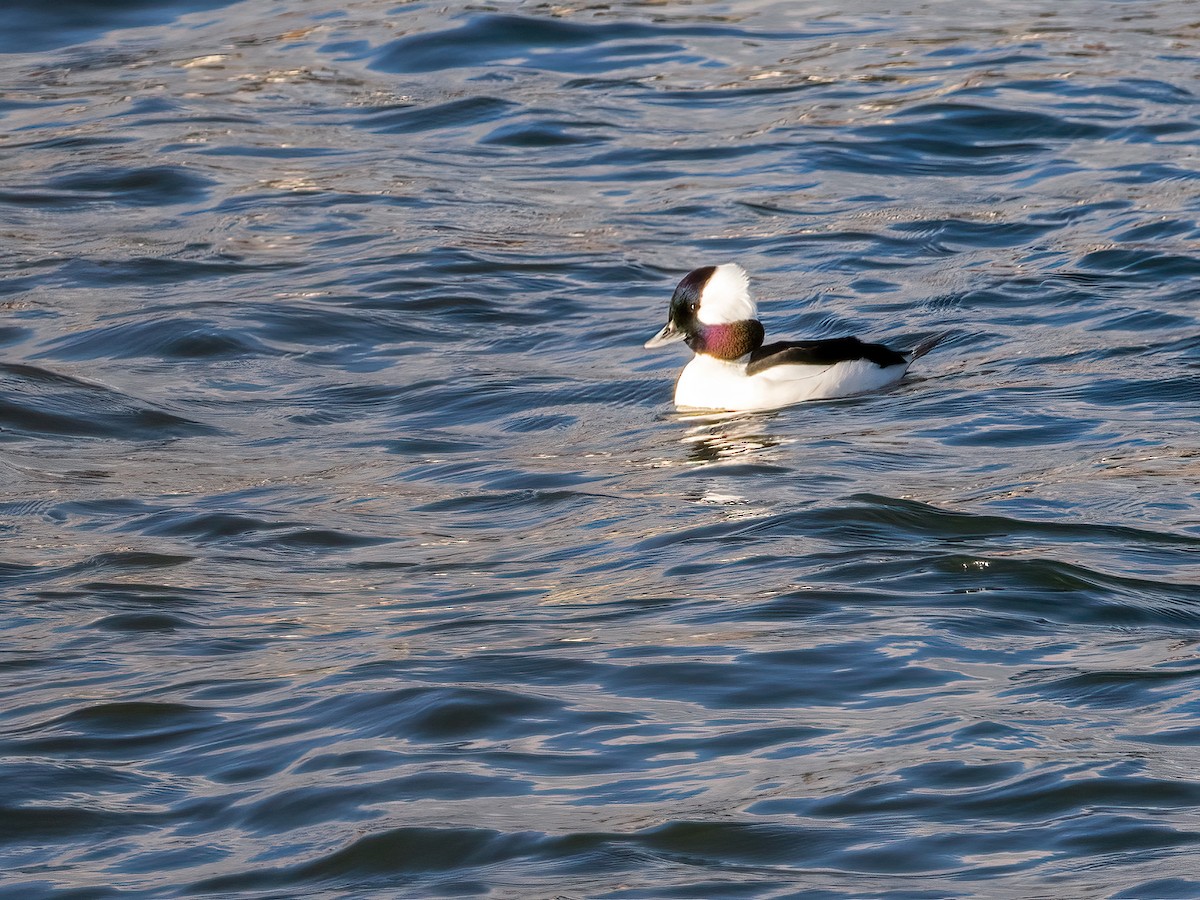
x=733 y=370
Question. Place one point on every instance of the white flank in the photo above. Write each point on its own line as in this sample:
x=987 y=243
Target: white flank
x=710 y=383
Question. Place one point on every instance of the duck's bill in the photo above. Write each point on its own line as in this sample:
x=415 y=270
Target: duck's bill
x=669 y=335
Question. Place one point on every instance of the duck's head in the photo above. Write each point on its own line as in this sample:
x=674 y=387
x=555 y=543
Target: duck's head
x=712 y=311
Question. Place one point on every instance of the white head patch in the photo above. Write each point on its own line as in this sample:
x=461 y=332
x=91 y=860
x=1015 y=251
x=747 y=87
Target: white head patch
x=726 y=297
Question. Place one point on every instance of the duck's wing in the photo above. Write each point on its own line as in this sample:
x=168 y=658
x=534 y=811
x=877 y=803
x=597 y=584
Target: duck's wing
x=821 y=353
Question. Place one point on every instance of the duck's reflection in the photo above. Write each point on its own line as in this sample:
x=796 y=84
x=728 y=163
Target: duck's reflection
x=722 y=437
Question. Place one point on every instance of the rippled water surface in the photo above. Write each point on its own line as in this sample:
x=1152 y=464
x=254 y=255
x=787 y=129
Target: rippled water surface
x=352 y=547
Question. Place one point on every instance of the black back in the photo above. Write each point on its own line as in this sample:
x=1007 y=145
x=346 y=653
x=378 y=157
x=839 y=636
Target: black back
x=821 y=353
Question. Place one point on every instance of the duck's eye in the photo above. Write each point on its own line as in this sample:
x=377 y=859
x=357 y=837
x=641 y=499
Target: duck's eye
x=693 y=306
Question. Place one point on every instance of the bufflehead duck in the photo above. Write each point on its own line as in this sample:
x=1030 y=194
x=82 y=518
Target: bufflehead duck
x=712 y=312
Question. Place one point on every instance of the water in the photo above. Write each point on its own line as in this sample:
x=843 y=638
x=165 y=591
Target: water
x=352 y=546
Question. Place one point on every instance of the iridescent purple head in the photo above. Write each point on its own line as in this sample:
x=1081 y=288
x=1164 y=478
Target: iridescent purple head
x=712 y=311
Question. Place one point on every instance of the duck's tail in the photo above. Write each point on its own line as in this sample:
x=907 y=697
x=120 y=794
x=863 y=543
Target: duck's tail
x=926 y=345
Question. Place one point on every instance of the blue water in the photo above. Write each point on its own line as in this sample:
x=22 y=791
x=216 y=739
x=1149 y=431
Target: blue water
x=352 y=546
